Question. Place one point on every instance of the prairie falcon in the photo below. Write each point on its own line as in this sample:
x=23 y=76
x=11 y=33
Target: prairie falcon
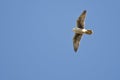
x=79 y=30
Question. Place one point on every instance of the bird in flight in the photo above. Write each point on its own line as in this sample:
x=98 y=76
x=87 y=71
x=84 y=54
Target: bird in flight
x=79 y=30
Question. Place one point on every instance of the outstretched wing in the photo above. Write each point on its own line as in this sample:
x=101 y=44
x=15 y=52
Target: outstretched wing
x=81 y=19
x=76 y=41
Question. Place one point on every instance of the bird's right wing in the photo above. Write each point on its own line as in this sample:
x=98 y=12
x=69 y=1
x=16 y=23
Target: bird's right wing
x=76 y=41
x=81 y=19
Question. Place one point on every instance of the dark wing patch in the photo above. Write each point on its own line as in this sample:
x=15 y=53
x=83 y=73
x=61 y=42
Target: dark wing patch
x=76 y=41
x=81 y=19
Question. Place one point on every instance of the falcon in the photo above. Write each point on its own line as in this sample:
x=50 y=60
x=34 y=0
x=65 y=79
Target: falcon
x=79 y=30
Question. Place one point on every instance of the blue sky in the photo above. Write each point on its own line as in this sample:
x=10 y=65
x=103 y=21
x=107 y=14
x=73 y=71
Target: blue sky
x=36 y=40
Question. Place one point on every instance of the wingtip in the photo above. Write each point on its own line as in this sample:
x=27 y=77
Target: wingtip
x=75 y=50
x=84 y=11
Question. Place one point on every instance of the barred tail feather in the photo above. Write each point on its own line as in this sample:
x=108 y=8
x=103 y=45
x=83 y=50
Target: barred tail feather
x=89 y=32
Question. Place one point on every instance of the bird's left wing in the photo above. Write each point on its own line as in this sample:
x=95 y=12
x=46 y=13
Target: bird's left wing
x=76 y=41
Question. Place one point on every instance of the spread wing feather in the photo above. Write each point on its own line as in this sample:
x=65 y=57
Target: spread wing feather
x=81 y=19
x=76 y=41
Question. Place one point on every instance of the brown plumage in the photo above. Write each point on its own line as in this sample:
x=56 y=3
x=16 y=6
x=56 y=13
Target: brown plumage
x=81 y=19
x=79 y=30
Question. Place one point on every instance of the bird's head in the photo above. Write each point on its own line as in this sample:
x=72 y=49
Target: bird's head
x=74 y=29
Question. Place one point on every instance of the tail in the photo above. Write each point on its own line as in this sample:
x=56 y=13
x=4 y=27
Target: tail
x=89 y=32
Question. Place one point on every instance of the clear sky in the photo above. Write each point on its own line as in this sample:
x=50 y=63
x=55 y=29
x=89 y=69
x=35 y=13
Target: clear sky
x=36 y=40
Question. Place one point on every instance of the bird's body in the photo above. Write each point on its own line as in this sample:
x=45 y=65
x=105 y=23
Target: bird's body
x=82 y=31
x=79 y=30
